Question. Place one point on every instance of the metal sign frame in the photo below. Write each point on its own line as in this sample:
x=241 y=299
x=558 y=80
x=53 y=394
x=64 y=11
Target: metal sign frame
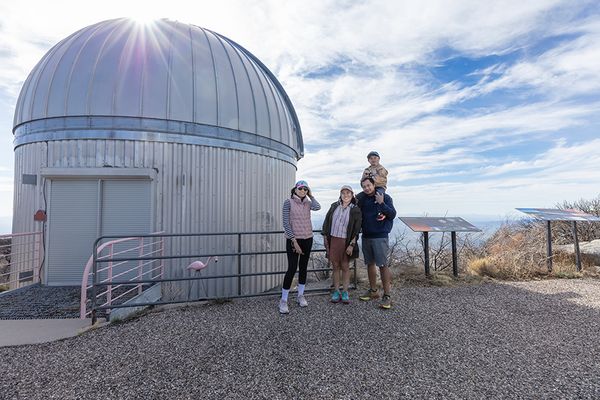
x=567 y=215
x=439 y=224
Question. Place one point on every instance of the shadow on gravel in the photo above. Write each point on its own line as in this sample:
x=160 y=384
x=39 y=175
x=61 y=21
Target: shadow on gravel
x=522 y=340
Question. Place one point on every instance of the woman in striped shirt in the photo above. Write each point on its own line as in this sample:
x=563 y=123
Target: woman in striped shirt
x=299 y=238
x=340 y=231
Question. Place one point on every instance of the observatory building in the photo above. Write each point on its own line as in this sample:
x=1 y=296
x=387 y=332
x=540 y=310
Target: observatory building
x=125 y=129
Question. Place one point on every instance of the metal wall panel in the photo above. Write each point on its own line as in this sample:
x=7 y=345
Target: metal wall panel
x=197 y=189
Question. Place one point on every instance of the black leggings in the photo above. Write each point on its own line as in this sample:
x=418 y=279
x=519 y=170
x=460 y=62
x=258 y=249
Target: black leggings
x=306 y=246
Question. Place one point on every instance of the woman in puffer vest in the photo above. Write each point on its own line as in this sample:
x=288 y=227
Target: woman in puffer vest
x=299 y=238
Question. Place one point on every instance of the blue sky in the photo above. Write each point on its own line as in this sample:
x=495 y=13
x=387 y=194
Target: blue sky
x=475 y=108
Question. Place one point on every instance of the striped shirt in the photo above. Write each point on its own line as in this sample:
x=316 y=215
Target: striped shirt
x=287 y=225
x=339 y=221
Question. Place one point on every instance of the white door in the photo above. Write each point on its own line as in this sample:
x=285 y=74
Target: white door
x=81 y=210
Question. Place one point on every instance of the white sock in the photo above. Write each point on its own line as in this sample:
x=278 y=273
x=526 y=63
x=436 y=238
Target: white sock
x=301 y=289
x=284 y=294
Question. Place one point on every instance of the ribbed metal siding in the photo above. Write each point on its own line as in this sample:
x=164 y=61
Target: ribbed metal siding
x=197 y=189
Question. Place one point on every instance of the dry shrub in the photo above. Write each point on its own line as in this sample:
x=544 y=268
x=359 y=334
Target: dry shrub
x=514 y=251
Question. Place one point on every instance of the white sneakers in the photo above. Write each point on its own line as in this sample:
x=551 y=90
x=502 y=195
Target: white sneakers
x=302 y=301
x=283 y=305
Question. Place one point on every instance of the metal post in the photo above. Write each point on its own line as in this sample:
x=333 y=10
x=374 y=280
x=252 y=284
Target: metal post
x=355 y=277
x=162 y=254
x=549 y=247
x=426 y=250
x=140 y=265
x=454 y=255
x=94 y=282
x=110 y=275
x=577 y=253
x=239 y=264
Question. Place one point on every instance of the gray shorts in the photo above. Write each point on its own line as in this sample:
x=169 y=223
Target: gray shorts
x=375 y=250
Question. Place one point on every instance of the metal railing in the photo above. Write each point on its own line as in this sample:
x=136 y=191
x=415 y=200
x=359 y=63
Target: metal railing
x=97 y=286
x=142 y=247
x=21 y=256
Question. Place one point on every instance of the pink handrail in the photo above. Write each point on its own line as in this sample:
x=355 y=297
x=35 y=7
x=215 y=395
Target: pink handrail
x=88 y=267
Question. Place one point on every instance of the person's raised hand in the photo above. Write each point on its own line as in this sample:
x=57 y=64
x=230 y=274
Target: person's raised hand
x=378 y=197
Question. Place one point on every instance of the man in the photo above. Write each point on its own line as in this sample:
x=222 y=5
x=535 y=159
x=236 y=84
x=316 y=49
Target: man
x=378 y=215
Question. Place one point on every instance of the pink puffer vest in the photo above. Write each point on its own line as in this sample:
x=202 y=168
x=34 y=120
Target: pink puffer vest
x=300 y=217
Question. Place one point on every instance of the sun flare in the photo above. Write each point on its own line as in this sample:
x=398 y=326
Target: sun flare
x=144 y=18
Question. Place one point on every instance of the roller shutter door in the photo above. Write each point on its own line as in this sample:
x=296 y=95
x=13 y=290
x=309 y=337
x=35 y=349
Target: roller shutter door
x=81 y=210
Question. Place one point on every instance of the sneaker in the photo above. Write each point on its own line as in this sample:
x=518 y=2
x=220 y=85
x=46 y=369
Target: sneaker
x=386 y=302
x=335 y=297
x=370 y=295
x=283 y=307
x=345 y=297
x=302 y=301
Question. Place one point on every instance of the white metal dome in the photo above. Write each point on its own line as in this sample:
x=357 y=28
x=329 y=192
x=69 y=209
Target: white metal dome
x=164 y=81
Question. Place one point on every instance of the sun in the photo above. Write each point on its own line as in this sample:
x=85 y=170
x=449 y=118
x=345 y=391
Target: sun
x=144 y=18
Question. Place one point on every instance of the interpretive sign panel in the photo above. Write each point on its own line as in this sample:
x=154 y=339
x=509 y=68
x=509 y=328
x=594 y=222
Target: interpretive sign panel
x=439 y=224
x=550 y=214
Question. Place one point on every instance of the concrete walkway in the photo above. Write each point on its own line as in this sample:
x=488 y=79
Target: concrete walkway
x=15 y=332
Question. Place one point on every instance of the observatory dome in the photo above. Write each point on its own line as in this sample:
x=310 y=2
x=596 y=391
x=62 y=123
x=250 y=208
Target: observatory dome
x=165 y=81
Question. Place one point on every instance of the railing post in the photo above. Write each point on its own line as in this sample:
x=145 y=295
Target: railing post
x=239 y=264
x=162 y=254
x=355 y=277
x=110 y=275
x=94 y=282
x=140 y=265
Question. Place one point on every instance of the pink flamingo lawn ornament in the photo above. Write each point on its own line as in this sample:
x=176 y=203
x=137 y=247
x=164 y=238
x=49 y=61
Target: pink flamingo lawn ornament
x=199 y=265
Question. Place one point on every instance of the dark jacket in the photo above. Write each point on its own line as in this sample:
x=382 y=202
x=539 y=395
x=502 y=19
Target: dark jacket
x=354 y=222
x=371 y=228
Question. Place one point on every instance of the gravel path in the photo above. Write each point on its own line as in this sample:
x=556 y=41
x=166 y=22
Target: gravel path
x=519 y=340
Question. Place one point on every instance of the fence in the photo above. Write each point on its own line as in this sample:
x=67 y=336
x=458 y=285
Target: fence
x=21 y=256
x=234 y=265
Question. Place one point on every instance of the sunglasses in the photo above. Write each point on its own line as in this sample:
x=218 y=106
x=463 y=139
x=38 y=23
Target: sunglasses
x=303 y=188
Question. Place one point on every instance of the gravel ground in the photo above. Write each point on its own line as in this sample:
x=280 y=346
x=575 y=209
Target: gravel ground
x=37 y=301
x=518 y=340
x=41 y=302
